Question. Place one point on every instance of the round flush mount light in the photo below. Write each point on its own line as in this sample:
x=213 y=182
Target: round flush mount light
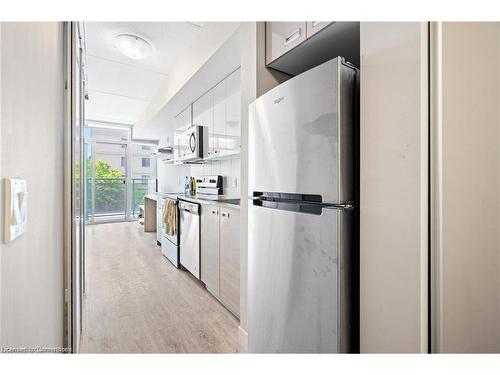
x=133 y=46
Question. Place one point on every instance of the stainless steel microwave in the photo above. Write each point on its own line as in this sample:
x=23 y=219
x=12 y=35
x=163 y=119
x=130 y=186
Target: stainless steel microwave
x=192 y=143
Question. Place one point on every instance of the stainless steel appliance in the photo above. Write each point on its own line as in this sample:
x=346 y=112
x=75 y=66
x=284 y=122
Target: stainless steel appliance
x=209 y=185
x=192 y=144
x=189 y=214
x=301 y=258
x=169 y=243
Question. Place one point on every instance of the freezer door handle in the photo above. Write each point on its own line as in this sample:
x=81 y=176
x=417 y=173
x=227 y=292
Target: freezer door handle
x=308 y=204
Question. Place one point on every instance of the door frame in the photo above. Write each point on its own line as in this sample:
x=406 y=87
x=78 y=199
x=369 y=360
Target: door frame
x=73 y=252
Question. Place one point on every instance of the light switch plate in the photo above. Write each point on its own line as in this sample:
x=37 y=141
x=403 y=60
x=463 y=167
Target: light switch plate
x=16 y=208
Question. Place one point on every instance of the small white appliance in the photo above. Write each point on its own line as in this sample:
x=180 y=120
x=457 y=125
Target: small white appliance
x=192 y=144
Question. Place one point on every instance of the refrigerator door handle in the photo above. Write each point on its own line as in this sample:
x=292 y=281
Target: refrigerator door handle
x=301 y=207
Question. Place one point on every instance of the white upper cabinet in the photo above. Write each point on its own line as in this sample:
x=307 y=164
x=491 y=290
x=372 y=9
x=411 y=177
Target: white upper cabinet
x=183 y=121
x=233 y=113
x=219 y=121
x=282 y=37
x=314 y=26
x=295 y=47
x=220 y=110
x=203 y=115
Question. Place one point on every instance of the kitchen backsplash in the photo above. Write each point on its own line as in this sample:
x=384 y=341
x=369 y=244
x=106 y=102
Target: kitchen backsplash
x=171 y=177
x=229 y=169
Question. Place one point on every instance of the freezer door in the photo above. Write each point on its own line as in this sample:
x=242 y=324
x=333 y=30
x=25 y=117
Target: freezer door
x=301 y=135
x=299 y=281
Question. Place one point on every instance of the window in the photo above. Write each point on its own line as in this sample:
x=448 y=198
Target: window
x=145 y=178
x=146 y=162
x=122 y=161
x=145 y=148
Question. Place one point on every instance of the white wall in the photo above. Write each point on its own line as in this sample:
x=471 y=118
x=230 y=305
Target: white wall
x=1 y=187
x=171 y=177
x=394 y=184
x=466 y=187
x=228 y=168
x=32 y=148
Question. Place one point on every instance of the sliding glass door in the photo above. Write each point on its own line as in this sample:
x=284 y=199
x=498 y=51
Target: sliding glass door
x=119 y=172
x=106 y=182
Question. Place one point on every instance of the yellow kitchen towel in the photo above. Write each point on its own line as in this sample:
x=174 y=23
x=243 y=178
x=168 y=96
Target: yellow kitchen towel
x=170 y=218
x=164 y=211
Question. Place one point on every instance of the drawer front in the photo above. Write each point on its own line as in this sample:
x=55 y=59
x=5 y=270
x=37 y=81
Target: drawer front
x=282 y=37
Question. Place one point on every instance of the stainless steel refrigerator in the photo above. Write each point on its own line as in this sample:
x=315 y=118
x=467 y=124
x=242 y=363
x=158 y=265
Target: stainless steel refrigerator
x=302 y=267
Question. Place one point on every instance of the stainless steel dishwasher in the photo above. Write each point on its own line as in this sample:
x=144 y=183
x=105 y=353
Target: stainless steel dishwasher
x=189 y=217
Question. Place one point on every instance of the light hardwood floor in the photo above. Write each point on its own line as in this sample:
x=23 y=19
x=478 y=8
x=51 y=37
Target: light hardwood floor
x=137 y=302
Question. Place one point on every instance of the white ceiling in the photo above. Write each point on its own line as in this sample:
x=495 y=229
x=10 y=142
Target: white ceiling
x=121 y=88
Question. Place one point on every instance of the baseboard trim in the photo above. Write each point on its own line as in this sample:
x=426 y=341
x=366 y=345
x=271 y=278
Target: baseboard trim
x=243 y=340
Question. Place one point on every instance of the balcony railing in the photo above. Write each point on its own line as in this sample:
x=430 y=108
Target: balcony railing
x=139 y=189
x=107 y=198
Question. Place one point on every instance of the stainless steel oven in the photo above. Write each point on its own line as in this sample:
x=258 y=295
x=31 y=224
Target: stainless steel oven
x=170 y=243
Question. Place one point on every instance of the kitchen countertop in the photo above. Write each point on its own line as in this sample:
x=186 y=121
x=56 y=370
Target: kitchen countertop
x=220 y=200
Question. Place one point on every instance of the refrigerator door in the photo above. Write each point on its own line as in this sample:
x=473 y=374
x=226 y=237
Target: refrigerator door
x=301 y=135
x=299 y=281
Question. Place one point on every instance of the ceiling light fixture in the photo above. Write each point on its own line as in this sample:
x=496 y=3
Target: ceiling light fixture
x=133 y=46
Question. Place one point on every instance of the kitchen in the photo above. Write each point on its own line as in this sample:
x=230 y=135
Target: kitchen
x=193 y=206
x=255 y=187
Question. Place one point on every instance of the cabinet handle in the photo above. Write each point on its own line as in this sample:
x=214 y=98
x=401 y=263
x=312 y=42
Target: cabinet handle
x=214 y=212
x=292 y=37
x=225 y=214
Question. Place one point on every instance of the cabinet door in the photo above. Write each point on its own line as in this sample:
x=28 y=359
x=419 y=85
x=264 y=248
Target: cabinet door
x=230 y=259
x=203 y=115
x=314 y=26
x=219 y=123
x=210 y=248
x=233 y=113
x=183 y=121
x=282 y=37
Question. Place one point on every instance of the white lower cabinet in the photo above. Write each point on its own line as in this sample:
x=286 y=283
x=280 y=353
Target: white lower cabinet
x=220 y=254
x=229 y=251
x=210 y=248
